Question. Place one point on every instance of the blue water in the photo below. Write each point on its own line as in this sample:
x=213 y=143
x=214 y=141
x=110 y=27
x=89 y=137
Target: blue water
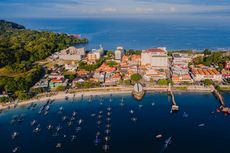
x=141 y=33
x=126 y=135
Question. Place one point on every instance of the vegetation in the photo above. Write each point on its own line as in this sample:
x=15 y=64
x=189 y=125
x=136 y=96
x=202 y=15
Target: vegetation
x=15 y=84
x=22 y=95
x=112 y=63
x=133 y=52
x=4 y=99
x=163 y=82
x=110 y=54
x=136 y=77
x=208 y=82
x=181 y=88
x=60 y=88
x=87 y=84
x=91 y=67
x=20 y=47
x=212 y=58
x=5 y=25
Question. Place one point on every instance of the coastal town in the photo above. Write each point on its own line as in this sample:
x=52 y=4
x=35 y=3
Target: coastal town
x=77 y=70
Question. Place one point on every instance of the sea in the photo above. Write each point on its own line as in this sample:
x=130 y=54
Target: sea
x=140 y=33
x=119 y=124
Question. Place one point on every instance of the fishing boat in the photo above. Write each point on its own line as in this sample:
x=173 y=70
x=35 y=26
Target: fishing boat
x=37 y=129
x=58 y=145
x=107 y=131
x=134 y=119
x=16 y=149
x=201 y=125
x=14 y=135
x=159 y=136
x=80 y=121
x=185 y=115
x=33 y=122
x=138 y=91
x=49 y=127
x=106 y=138
x=93 y=115
x=58 y=128
x=131 y=111
x=105 y=147
x=64 y=118
x=168 y=141
x=74 y=113
x=97 y=140
x=140 y=106
x=69 y=123
x=73 y=137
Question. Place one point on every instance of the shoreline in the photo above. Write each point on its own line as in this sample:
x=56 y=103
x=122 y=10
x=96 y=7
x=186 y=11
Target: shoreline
x=98 y=91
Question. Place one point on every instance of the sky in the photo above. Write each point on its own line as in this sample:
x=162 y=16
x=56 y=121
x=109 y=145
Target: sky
x=116 y=8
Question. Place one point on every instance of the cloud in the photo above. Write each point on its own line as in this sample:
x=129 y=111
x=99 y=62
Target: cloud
x=109 y=9
x=74 y=8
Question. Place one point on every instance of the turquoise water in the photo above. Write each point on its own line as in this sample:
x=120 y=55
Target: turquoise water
x=141 y=33
x=152 y=115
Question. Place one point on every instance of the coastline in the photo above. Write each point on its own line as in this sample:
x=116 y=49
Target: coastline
x=99 y=91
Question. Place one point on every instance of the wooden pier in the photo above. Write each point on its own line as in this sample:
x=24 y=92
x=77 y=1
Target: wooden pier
x=175 y=108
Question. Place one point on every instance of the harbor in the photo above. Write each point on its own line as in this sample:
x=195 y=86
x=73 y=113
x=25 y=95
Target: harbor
x=105 y=123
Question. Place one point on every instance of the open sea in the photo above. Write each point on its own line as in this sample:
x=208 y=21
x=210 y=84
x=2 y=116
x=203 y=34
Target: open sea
x=141 y=33
x=107 y=124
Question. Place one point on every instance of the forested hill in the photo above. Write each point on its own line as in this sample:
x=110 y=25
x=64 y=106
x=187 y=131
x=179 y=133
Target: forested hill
x=6 y=25
x=19 y=46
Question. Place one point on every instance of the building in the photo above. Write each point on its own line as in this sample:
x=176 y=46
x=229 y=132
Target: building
x=155 y=57
x=43 y=83
x=225 y=73
x=200 y=74
x=91 y=58
x=227 y=65
x=179 y=68
x=119 y=52
x=72 y=53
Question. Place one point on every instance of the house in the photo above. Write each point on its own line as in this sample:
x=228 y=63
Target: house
x=155 y=57
x=43 y=83
x=56 y=82
x=200 y=74
x=72 y=53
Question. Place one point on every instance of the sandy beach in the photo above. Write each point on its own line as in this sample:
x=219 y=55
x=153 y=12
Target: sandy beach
x=62 y=95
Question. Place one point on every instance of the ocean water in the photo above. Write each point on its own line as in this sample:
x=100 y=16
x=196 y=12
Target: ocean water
x=141 y=33
x=152 y=116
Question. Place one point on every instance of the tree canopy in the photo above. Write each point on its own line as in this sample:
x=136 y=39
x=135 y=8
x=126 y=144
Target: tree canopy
x=136 y=77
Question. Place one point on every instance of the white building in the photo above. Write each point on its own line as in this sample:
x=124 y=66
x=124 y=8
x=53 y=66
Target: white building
x=155 y=57
x=98 y=52
x=119 y=53
x=72 y=53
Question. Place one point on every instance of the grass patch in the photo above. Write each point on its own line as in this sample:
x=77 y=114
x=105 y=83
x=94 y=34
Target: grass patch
x=181 y=88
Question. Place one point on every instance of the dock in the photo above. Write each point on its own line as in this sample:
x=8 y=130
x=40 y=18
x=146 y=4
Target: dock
x=138 y=91
x=175 y=107
x=220 y=98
